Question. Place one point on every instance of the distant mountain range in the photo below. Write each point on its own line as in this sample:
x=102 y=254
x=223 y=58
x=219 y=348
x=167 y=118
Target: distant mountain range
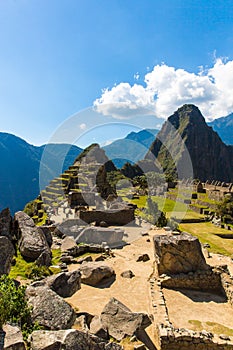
x=132 y=148
x=210 y=158
x=20 y=168
x=22 y=164
x=224 y=127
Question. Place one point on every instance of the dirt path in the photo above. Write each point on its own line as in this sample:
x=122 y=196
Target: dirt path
x=134 y=293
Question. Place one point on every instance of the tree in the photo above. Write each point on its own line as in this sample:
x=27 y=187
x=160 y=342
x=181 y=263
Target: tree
x=225 y=209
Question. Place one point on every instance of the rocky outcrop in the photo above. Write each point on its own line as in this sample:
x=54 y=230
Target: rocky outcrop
x=13 y=338
x=95 y=272
x=121 y=322
x=31 y=239
x=70 y=339
x=178 y=254
x=186 y=141
x=65 y=284
x=6 y=227
x=6 y=254
x=49 y=309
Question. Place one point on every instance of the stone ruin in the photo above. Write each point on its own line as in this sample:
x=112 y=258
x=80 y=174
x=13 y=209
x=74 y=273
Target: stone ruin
x=180 y=265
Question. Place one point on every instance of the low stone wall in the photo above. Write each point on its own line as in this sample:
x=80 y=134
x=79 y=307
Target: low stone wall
x=111 y=217
x=200 y=280
x=227 y=284
x=184 y=339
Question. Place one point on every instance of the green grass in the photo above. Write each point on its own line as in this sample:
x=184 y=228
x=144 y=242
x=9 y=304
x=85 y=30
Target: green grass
x=19 y=270
x=213 y=327
x=171 y=208
x=56 y=254
x=22 y=266
x=207 y=233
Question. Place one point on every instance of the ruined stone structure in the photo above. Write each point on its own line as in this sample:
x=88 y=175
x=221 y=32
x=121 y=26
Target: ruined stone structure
x=181 y=265
x=111 y=217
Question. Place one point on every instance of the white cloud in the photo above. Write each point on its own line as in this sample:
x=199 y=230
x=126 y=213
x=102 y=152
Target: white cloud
x=167 y=88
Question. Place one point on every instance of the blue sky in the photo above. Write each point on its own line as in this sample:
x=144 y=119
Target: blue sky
x=58 y=56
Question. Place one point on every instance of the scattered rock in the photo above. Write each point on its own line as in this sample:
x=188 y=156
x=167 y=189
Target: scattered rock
x=87 y=258
x=13 y=338
x=144 y=233
x=85 y=318
x=49 y=309
x=68 y=244
x=6 y=255
x=100 y=258
x=224 y=337
x=143 y=257
x=95 y=272
x=48 y=235
x=70 y=339
x=68 y=259
x=121 y=322
x=32 y=241
x=127 y=274
x=206 y=245
x=97 y=328
x=178 y=254
x=81 y=323
x=65 y=284
x=44 y=259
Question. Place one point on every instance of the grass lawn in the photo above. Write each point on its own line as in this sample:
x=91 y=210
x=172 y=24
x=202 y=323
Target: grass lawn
x=168 y=206
x=206 y=233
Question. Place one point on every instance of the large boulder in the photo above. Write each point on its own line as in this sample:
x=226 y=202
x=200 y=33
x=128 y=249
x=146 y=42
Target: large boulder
x=6 y=254
x=49 y=309
x=70 y=339
x=31 y=239
x=95 y=272
x=13 y=338
x=178 y=254
x=121 y=322
x=65 y=284
x=97 y=235
x=6 y=225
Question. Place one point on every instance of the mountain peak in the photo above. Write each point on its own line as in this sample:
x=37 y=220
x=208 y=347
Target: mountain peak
x=186 y=133
x=187 y=114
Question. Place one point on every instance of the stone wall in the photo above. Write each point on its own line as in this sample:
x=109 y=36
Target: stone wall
x=111 y=217
x=81 y=198
x=184 y=339
x=227 y=284
x=200 y=280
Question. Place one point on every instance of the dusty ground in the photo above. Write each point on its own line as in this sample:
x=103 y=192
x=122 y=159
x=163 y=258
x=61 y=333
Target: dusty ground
x=134 y=293
x=196 y=307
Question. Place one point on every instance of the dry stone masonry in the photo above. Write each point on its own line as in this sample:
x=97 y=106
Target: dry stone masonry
x=181 y=265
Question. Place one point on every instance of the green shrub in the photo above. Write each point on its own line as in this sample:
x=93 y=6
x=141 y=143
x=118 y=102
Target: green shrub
x=35 y=272
x=14 y=307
